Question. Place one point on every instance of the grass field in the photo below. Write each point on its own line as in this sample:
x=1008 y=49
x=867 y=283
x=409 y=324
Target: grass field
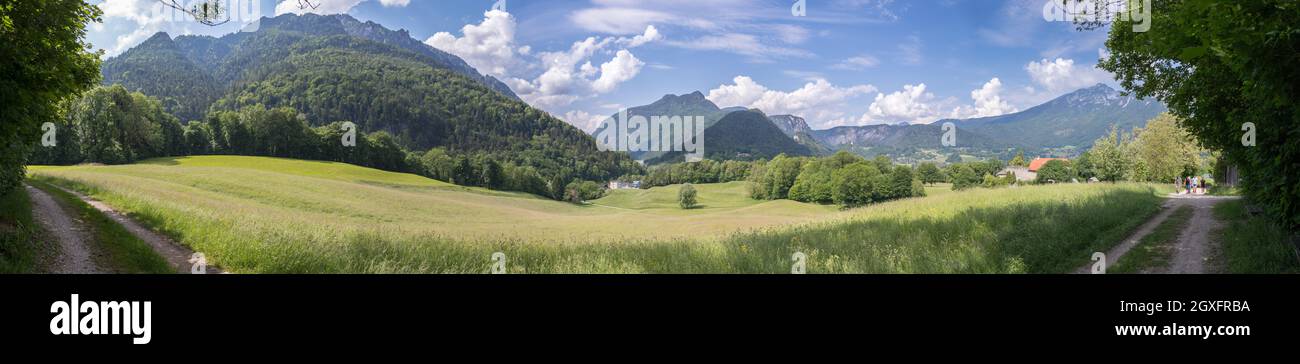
x=261 y=215
x=1253 y=245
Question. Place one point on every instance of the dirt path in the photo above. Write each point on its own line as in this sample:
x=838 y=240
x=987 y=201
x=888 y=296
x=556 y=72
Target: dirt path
x=69 y=234
x=1193 y=251
x=72 y=236
x=1113 y=255
x=178 y=256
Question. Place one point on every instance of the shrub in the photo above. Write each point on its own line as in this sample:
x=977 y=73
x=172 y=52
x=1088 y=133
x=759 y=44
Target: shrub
x=1056 y=170
x=686 y=196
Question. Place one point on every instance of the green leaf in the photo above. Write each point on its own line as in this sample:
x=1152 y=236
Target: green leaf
x=1192 y=53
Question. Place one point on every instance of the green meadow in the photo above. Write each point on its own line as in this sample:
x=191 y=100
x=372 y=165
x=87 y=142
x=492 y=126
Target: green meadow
x=266 y=215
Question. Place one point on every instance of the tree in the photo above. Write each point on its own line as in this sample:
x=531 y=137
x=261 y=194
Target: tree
x=1019 y=160
x=1228 y=70
x=43 y=61
x=437 y=164
x=1164 y=150
x=198 y=140
x=777 y=177
x=581 y=191
x=686 y=197
x=929 y=173
x=66 y=150
x=115 y=126
x=814 y=182
x=853 y=184
x=556 y=185
x=463 y=174
x=883 y=164
x=1083 y=166
x=963 y=177
x=1108 y=161
x=953 y=158
x=900 y=183
x=492 y=178
x=1056 y=170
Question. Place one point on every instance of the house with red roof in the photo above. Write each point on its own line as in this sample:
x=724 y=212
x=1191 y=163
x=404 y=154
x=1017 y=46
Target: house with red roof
x=1030 y=173
x=1040 y=162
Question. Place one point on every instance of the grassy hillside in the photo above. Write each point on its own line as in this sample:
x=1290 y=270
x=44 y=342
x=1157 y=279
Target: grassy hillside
x=259 y=215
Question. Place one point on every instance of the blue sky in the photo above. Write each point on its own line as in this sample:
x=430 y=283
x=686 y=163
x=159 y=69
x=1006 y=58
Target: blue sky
x=844 y=62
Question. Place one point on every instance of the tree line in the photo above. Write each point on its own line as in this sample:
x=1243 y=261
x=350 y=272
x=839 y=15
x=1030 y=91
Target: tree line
x=111 y=125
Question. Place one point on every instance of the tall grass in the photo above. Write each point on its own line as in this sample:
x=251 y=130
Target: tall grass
x=18 y=233
x=1254 y=245
x=248 y=223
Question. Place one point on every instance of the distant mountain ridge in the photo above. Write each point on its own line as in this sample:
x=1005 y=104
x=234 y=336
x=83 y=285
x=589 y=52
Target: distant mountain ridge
x=898 y=135
x=692 y=104
x=797 y=128
x=744 y=135
x=1075 y=119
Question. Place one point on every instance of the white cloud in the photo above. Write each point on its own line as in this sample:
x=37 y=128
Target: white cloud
x=817 y=101
x=909 y=52
x=988 y=102
x=586 y=121
x=1062 y=75
x=746 y=27
x=139 y=11
x=651 y=34
x=622 y=68
x=570 y=76
x=912 y=104
x=743 y=44
x=546 y=79
x=791 y=34
x=149 y=16
x=857 y=63
x=488 y=46
x=617 y=20
x=743 y=93
x=395 y=3
x=323 y=7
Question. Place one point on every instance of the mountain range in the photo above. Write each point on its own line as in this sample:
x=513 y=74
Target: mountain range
x=335 y=68
x=743 y=135
x=1073 y=120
